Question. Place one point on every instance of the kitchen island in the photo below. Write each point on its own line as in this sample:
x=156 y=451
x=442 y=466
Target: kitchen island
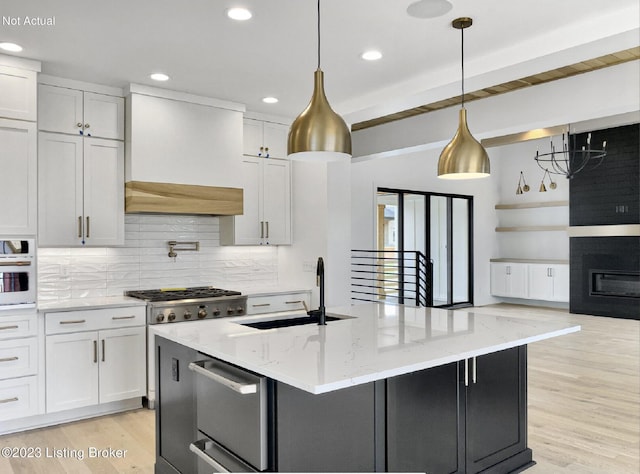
x=384 y=387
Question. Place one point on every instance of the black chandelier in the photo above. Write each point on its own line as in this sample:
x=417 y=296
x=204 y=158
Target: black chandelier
x=571 y=159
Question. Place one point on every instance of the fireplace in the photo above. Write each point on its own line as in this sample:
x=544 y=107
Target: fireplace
x=605 y=276
x=614 y=283
x=604 y=219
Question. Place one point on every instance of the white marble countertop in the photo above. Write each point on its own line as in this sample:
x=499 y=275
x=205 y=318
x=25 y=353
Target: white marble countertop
x=377 y=342
x=89 y=303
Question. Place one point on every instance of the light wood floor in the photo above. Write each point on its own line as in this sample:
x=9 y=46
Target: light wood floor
x=584 y=408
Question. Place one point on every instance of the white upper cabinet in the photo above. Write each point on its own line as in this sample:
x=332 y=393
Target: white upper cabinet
x=77 y=112
x=264 y=139
x=18 y=146
x=18 y=96
x=81 y=188
x=170 y=140
x=18 y=177
x=267 y=205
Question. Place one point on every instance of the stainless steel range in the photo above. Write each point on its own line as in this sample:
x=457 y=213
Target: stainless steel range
x=173 y=305
x=184 y=305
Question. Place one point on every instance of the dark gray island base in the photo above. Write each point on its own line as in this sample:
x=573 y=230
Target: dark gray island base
x=462 y=417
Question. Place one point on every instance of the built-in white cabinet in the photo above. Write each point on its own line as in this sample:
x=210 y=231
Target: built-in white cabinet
x=530 y=280
x=276 y=302
x=18 y=97
x=18 y=364
x=264 y=139
x=509 y=279
x=81 y=191
x=76 y=112
x=18 y=176
x=101 y=365
x=267 y=205
x=549 y=282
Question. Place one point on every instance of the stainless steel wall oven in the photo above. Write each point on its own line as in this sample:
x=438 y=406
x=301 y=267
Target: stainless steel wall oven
x=17 y=273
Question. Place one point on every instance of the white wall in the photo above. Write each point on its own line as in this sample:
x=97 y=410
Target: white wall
x=404 y=155
x=321 y=215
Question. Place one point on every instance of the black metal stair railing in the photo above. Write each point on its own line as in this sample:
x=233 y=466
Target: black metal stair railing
x=392 y=276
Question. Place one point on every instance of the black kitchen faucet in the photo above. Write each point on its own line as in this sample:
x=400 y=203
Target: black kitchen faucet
x=320 y=312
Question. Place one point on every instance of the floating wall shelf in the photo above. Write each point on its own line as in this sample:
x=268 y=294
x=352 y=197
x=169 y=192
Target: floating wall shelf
x=532 y=228
x=532 y=205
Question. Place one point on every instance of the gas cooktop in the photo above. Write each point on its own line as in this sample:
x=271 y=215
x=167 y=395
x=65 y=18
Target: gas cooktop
x=176 y=294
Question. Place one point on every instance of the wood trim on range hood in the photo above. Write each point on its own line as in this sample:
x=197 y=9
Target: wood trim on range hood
x=169 y=198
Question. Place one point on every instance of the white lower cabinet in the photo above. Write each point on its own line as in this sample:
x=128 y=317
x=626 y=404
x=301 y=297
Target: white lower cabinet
x=90 y=367
x=94 y=367
x=18 y=365
x=549 y=282
x=509 y=279
x=273 y=303
x=535 y=281
x=18 y=397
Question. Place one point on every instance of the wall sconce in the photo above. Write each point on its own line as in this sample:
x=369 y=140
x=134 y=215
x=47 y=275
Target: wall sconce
x=552 y=184
x=522 y=185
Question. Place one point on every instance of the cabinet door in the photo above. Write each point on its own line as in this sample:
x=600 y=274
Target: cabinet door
x=103 y=116
x=424 y=425
x=247 y=227
x=560 y=277
x=122 y=364
x=252 y=137
x=517 y=280
x=18 y=98
x=72 y=370
x=275 y=139
x=103 y=192
x=499 y=279
x=496 y=406
x=60 y=109
x=277 y=202
x=18 y=178
x=540 y=282
x=60 y=176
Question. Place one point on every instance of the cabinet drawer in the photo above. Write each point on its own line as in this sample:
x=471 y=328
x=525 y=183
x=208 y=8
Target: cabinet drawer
x=94 y=319
x=279 y=302
x=18 y=325
x=18 y=357
x=18 y=398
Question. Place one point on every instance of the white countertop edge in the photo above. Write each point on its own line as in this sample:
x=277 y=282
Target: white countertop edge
x=89 y=303
x=380 y=375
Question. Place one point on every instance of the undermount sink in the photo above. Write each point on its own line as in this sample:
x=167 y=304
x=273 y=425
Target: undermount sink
x=292 y=321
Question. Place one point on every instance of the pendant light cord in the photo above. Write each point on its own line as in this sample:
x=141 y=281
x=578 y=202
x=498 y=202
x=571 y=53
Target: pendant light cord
x=318 y=34
x=462 y=62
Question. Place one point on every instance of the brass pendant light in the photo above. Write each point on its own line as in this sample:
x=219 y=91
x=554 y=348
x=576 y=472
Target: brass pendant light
x=318 y=133
x=464 y=157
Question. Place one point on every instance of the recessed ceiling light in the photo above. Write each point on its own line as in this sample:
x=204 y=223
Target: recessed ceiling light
x=158 y=76
x=269 y=100
x=12 y=47
x=240 y=14
x=371 y=55
x=429 y=8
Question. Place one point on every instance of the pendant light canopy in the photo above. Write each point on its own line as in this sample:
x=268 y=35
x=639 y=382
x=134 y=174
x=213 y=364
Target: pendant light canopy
x=464 y=157
x=318 y=133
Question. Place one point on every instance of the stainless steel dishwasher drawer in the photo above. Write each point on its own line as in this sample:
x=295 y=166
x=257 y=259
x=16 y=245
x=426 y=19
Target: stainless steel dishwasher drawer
x=231 y=407
x=214 y=458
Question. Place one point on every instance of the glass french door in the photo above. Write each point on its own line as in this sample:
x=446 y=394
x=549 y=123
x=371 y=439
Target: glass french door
x=438 y=225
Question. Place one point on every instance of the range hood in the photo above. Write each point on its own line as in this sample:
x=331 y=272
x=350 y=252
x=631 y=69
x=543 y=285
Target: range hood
x=169 y=198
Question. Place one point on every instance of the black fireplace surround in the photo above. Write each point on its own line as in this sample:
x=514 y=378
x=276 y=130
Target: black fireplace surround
x=605 y=271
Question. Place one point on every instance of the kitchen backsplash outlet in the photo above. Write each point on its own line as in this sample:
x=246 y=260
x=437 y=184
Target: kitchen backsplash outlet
x=142 y=263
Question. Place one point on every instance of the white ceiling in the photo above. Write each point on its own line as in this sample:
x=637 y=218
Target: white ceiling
x=117 y=42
